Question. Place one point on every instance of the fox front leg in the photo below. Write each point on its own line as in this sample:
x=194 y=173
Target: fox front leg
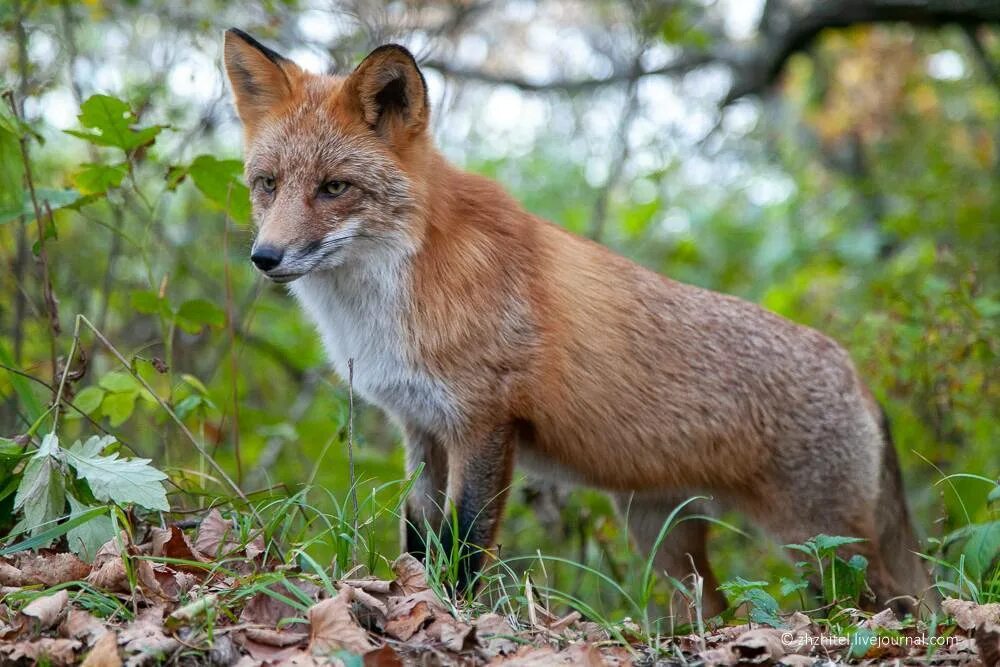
x=423 y=510
x=479 y=477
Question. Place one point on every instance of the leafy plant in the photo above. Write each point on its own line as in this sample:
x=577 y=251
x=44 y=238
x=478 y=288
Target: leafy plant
x=87 y=479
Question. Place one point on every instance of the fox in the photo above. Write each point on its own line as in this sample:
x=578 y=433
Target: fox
x=496 y=339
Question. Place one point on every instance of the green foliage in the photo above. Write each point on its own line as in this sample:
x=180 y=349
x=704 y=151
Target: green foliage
x=46 y=483
x=149 y=237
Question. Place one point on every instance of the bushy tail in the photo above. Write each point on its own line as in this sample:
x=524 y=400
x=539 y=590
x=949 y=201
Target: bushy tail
x=897 y=540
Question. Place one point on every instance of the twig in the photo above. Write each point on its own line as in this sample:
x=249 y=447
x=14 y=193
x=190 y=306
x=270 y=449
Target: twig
x=600 y=214
x=184 y=429
x=231 y=326
x=43 y=258
x=350 y=451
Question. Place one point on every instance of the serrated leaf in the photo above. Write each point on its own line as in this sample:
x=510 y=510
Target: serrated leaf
x=98 y=178
x=828 y=543
x=84 y=540
x=41 y=495
x=121 y=480
x=93 y=446
x=89 y=399
x=109 y=120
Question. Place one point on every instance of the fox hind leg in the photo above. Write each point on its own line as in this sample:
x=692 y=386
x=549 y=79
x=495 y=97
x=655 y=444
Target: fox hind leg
x=681 y=554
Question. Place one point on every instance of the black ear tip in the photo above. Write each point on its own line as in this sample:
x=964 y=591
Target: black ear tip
x=386 y=49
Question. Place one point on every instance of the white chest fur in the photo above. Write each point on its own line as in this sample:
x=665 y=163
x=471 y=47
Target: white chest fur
x=360 y=315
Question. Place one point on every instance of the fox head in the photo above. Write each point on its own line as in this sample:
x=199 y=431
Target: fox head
x=330 y=160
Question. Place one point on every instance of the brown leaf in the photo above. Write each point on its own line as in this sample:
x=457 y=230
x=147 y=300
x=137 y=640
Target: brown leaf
x=173 y=543
x=988 y=643
x=759 y=645
x=410 y=576
x=383 y=657
x=80 y=624
x=279 y=638
x=969 y=614
x=408 y=615
x=494 y=633
x=145 y=635
x=884 y=619
x=454 y=635
x=215 y=535
x=267 y=653
x=45 y=650
x=12 y=576
x=333 y=627
x=104 y=653
x=584 y=654
x=51 y=569
x=47 y=609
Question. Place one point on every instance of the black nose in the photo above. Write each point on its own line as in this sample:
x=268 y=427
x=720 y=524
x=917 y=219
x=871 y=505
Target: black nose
x=266 y=257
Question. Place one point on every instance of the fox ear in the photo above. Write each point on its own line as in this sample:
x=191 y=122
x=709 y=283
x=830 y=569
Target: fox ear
x=259 y=76
x=391 y=93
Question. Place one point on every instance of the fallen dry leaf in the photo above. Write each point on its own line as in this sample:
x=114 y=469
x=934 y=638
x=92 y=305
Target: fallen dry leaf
x=215 y=535
x=144 y=637
x=104 y=653
x=333 y=628
x=759 y=645
x=50 y=569
x=45 y=650
x=494 y=633
x=47 y=609
x=988 y=643
x=173 y=543
x=587 y=655
x=411 y=613
x=410 y=576
x=12 y=576
x=453 y=635
x=83 y=625
x=968 y=615
x=383 y=657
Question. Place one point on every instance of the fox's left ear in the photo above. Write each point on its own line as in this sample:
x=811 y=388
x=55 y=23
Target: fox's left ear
x=261 y=78
x=390 y=93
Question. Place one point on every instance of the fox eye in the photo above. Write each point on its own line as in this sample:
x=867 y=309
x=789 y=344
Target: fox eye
x=333 y=188
x=267 y=183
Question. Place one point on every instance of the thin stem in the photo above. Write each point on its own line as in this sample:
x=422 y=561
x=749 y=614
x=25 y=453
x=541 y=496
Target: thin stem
x=350 y=450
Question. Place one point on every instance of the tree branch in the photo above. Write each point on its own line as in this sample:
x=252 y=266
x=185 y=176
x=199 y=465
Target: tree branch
x=784 y=30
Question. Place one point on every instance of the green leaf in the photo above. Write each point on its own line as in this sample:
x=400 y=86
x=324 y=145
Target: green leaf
x=84 y=540
x=41 y=495
x=826 y=544
x=55 y=198
x=94 y=445
x=982 y=549
x=45 y=537
x=118 y=407
x=215 y=177
x=197 y=313
x=98 y=178
x=994 y=495
x=11 y=167
x=110 y=120
x=89 y=399
x=121 y=480
x=25 y=393
x=119 y=381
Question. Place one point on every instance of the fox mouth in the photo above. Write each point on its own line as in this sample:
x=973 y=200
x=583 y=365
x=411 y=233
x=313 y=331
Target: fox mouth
x=283 y=277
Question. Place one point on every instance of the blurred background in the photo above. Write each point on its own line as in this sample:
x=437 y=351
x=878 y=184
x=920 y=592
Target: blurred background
x=837 y=161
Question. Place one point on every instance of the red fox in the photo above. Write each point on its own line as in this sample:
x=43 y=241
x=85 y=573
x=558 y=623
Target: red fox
x=493 y=338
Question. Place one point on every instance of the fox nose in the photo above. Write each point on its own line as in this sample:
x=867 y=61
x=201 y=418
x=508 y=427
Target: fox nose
x=266 y=257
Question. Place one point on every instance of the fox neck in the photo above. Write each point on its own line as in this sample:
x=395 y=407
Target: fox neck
x=361 y=310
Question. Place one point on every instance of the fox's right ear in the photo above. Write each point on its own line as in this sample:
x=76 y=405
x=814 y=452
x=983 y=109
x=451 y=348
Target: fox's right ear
x=259 y=76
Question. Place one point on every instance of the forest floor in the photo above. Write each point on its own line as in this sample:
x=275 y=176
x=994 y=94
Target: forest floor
x=202 y=597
